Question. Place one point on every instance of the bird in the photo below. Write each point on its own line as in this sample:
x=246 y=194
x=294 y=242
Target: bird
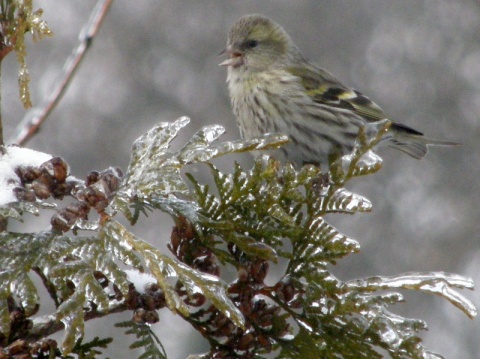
x=273 y=88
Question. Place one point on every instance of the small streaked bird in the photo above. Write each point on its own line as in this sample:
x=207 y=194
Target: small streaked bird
x=274 y=89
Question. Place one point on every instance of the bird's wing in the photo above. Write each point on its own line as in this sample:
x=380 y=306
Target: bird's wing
x=325 y=89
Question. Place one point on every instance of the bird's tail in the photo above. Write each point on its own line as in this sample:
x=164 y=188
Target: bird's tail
x=412 y=142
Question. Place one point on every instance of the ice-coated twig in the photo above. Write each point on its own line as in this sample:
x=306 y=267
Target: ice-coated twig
x=37 y=115
x=438 y=283
x=48 y=324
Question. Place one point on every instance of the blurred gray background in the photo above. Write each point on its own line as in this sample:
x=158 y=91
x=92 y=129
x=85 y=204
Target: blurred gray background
x=155 y=61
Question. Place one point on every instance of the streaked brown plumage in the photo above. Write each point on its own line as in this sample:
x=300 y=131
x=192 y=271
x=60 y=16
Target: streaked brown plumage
x=273 y=89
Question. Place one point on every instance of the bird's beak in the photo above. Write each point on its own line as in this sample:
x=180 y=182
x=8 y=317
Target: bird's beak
x=235 y=58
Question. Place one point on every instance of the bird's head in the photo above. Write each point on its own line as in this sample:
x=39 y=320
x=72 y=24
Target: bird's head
x=257 y=43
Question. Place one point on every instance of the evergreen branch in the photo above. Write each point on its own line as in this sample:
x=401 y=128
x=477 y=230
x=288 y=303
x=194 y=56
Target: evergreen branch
x=48 y=324
x=247 y=219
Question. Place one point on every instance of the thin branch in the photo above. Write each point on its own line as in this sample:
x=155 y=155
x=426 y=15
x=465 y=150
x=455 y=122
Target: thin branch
x=48 y=324
x=34 y=118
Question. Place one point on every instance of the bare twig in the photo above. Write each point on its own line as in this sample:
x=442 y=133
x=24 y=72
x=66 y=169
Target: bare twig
x=36 y=116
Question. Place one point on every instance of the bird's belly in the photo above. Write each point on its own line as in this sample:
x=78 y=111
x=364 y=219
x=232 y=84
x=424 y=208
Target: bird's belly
x=305 y=146
x=316 y=132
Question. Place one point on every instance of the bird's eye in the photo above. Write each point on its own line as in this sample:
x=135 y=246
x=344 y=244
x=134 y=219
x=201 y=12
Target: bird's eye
x=252 y=43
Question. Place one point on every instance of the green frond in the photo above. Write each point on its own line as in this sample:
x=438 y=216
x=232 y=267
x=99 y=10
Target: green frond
x=24 y=289
x=362 y=161
x=71 y=314
x=63 y=260
x=146 y=339
x=153 y=175
x=309 y=346
x=344 y=201
x=163 y=268
x=245 y=218
x=264 y=205
x=89 y=349
x=153 y=170
x=324 y=245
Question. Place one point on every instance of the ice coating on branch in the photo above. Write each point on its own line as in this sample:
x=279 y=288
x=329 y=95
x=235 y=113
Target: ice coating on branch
x=154 y=169
x=362 y=160
x=439 y=283
x=345 y=201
